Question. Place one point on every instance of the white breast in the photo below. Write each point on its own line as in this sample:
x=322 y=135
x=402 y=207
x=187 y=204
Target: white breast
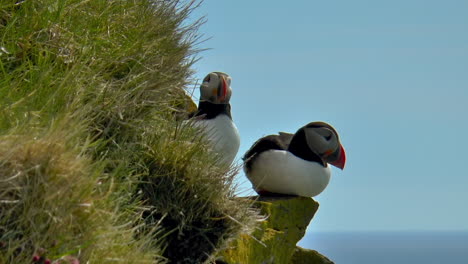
x=279 y=171
x=224 y=136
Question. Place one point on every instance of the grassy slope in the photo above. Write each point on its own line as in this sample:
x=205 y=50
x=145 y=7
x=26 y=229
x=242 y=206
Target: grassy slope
x=93 y=163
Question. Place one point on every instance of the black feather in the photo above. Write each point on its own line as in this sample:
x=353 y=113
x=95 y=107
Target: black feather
x=208 y=110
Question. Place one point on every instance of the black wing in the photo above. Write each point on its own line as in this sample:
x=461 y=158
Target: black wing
x=285 y=138
x=279 y=142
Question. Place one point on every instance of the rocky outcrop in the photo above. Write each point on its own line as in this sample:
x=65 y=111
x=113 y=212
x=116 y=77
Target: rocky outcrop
x=308 y=256
x=274 y=239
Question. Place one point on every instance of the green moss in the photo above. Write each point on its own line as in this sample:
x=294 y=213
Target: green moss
x=274 y=239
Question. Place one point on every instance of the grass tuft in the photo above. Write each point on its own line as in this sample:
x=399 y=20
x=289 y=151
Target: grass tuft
x=52 y=203
x=190 y=195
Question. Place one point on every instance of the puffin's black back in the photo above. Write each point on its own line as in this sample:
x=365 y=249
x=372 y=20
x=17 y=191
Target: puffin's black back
x=294 y=143
x=278 y=142
x=208 y=110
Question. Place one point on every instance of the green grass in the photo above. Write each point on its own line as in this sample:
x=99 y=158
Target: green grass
x=94 y=160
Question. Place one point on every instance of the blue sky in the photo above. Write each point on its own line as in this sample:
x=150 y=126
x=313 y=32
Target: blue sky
x=391 y=77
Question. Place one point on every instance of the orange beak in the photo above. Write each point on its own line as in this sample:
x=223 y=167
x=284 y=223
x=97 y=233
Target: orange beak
x=223 y=91
x=340 y=162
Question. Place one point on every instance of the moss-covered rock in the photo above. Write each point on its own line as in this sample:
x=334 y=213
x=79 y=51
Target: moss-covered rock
x=309 y=256
x=275 y=238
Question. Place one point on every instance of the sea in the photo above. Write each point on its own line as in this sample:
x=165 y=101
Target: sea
x=390 y=247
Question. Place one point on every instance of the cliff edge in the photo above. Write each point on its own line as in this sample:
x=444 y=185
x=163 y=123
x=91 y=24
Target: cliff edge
x=275 y=237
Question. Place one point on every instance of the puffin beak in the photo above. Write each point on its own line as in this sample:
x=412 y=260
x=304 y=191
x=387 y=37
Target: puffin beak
x=340 y=162
x=223 y=90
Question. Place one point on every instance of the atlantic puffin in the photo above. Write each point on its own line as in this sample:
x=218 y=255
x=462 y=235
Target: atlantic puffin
x=214 y=116
x=294 y=164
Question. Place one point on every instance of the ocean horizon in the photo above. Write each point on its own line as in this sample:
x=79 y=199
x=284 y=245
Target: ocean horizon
x=386 y=247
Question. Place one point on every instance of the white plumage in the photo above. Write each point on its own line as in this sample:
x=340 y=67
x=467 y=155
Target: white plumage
x=223 y=135
x=279 y=171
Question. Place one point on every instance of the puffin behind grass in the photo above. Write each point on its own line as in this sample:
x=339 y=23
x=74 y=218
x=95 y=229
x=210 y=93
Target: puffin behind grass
x=214 y=116
x=295 y=164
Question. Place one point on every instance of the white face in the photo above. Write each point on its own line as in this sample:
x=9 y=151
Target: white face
x=216 y=88
x=322 y=140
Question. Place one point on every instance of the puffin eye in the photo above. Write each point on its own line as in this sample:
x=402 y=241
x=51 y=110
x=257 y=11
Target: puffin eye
x=328 y=137
x=207 y=78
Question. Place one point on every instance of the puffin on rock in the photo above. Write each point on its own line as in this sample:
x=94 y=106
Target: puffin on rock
x=295 y=164
x=214 y=116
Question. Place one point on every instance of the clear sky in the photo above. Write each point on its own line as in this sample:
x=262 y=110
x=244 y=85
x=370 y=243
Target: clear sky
x=390 y=76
